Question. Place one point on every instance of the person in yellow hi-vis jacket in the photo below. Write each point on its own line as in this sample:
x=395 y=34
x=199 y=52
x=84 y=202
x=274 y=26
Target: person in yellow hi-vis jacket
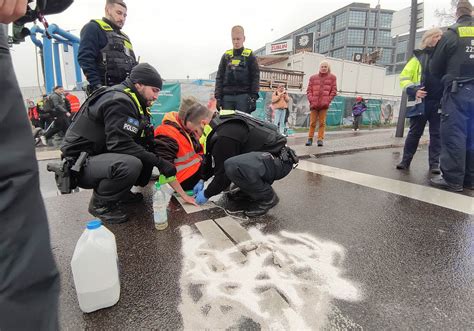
x=106 y=54
x=424 y=93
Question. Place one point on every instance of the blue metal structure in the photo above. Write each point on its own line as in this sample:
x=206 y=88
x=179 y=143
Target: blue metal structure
x=50 y=48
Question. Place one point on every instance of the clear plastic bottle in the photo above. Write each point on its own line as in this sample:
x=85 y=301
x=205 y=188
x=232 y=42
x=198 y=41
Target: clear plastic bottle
x=160 y=207
x=95 y=268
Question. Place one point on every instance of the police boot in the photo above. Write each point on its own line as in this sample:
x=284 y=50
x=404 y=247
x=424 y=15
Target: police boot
x=132 y=197
x=108 y=211
x=262 y=207
x=238 y=195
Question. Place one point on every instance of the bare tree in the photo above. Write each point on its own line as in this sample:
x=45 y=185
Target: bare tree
x=447 y=17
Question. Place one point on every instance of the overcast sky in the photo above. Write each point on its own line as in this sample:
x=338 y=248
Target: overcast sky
x=183 y=38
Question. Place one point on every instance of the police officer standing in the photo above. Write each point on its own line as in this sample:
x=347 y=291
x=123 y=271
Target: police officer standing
x=113 y=128
x=453 y=62
x=238 y=76
x=248 y=152
x=106 y=54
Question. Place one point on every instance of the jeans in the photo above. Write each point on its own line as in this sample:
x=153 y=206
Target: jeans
x=279 y=119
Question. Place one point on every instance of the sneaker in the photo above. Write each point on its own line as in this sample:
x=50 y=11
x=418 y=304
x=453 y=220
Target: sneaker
x=435 y=170
x=262 y=207
x=44 y=141
x=320 y=143
x=403 y=166
x=441 y=183
x=309 y=142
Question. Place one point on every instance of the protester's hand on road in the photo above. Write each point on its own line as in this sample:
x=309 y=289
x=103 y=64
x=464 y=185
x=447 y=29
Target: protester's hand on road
x=11 y=10
x=189 y=200
x=198 y=187
x=421 y=93
x=201 y=198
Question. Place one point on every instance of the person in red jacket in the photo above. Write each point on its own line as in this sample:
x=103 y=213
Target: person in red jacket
x=321 y=90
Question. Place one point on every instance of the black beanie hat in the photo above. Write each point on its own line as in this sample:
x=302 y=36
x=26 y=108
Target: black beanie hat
x=145 y=74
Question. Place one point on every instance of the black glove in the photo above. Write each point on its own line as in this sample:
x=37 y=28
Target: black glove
x=166 y=168
x=252 y=104
x=218 y=104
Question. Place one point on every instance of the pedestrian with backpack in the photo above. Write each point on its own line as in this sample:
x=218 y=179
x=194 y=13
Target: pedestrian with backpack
x=358 y=108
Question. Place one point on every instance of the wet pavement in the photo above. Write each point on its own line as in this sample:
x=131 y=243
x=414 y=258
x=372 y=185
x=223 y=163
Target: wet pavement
x=410 y=262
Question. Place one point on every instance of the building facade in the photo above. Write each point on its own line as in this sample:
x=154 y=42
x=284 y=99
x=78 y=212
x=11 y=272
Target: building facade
x=355 y=28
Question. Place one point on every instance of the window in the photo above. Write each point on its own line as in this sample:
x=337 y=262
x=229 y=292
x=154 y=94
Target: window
x=386 y=56
x=402 y=46
x=351 y=50
x=384 y=38
x=357 y=18
x=314 y=29
x=338 y=53
x=324 y=44
x=355 y=36
x=326 y=26
x=372 y=20
x=339 y=38
x=340 y=21
x=385 y=20
x=400 y=57
x=370 y=37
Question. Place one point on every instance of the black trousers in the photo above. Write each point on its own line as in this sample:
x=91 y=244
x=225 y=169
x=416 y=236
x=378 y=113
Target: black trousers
x=357 y=121
x=236 y=102
x=255 y=172
x=29 y=280
x=457 y=136
x=417 y=127
x=112 y=175
x=60 y=124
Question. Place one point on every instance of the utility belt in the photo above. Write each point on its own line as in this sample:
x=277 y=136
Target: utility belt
x=457 y=83
x=66 y=171
x=288 y=155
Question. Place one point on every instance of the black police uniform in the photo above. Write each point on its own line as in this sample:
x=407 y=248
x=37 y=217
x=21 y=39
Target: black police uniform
x=29 y=280
x=105 y=54
x=453 y=61
x=238 y=81
x=114 y=128
x=60 y=115
x=251 y=154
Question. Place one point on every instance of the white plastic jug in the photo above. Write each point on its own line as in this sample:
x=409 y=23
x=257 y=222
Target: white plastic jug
x=95 y=268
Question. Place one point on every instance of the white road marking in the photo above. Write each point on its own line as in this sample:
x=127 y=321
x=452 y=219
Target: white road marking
x=446 y=199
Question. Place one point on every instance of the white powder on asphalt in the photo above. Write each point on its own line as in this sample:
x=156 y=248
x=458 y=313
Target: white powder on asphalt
x=305 y=271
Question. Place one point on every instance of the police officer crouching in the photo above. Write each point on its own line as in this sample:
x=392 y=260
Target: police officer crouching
x=248 y=152
x=453 y=61
x=108 y=143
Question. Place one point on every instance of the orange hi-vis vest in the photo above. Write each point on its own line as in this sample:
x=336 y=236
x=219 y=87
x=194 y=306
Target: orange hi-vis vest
x=187 y=161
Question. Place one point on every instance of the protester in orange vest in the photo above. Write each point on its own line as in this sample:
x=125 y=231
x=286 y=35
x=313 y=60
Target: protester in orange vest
x=73 y=101
x=177 y=143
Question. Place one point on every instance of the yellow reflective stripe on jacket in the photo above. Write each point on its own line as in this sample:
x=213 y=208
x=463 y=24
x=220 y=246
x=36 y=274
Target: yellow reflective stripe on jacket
x=187 y=165
x=185 y=157
x=135 y=99
x=466 y=31
x=104 y=26
x=128 y=45
x=246 y=52
x=411 y=74
x=225 y=112
x=203 y=138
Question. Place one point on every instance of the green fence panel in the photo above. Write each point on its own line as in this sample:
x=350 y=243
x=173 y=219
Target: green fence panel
x=372 y=114
x=168 y=100
x=336 y=111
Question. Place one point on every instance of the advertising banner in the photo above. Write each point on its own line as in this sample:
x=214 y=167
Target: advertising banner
x=168 y=100
x=304 y=42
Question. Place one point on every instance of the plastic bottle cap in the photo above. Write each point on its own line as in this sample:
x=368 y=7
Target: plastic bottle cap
x=157 y=185
x=94 y=224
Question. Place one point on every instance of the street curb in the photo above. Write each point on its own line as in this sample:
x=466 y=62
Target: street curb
x=349 y=151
